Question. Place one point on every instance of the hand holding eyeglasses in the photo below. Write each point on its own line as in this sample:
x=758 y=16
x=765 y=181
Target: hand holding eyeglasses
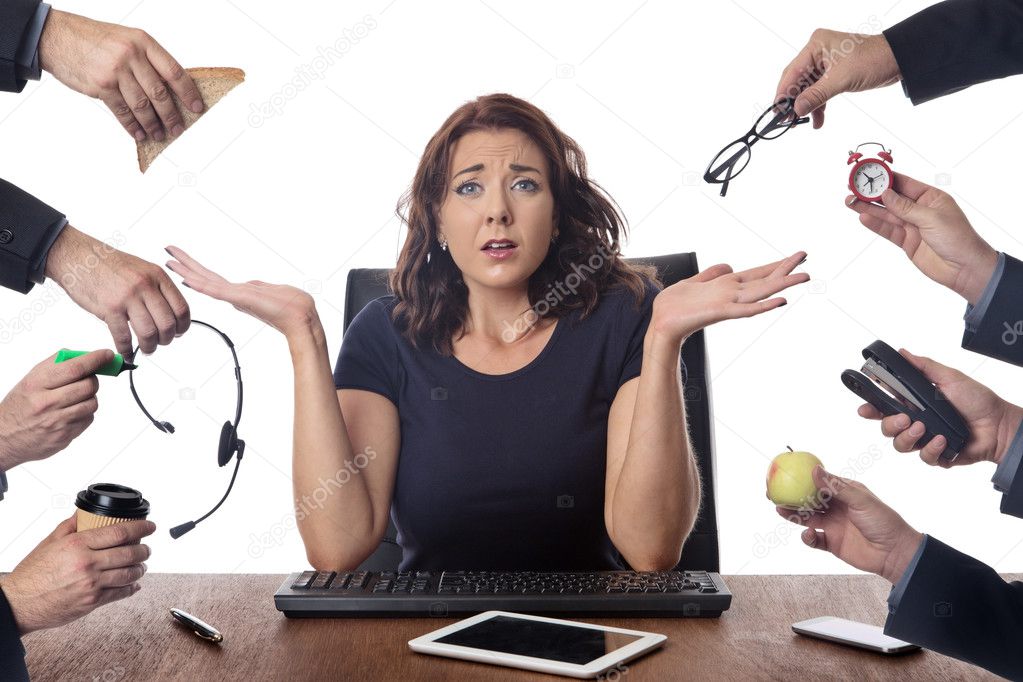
x=832 y=63
x=732 y=160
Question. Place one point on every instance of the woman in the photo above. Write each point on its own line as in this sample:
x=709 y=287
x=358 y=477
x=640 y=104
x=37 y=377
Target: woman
x=517 y=400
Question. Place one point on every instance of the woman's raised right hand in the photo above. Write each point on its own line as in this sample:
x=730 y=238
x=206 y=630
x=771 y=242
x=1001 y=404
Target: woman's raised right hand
x=287 y=309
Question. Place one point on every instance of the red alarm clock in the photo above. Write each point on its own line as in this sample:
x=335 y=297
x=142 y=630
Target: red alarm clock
x=870 y=177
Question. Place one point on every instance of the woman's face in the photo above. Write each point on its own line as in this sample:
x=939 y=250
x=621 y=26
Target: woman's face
x=498 y=211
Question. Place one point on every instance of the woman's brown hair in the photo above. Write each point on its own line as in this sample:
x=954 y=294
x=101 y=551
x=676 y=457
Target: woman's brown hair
x=432 y=299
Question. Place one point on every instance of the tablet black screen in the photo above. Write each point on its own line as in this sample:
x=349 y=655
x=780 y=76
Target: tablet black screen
x=551 y=641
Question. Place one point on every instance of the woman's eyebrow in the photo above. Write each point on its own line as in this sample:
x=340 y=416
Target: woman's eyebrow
x=515 y=167
x=471 y=169
x=521 y=169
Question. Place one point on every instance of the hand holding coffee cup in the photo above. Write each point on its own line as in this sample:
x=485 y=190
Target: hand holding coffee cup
x=104 y=504
x=91 y=559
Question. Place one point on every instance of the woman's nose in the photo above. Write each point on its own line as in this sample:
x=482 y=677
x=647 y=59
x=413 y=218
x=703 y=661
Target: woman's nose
x=497 y=211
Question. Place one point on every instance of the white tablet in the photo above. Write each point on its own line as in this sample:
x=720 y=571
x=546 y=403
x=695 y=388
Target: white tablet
x=547 y=645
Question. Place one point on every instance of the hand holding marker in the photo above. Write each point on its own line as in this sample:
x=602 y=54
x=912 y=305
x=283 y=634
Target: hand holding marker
x=111 y=369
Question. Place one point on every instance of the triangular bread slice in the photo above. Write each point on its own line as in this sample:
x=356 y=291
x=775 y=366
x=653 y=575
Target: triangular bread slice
x=213 y=84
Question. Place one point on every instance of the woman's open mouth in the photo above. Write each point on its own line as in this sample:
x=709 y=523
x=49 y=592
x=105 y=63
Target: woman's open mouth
x=500 y=248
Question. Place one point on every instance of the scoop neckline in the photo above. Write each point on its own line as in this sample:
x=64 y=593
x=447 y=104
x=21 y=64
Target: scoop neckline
x=555 y=335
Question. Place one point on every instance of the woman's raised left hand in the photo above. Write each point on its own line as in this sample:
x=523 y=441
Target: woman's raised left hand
x=718 y=293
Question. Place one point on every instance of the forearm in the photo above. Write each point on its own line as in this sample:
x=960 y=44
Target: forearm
x=7 y=459
x=335 y=521
x=657 y=495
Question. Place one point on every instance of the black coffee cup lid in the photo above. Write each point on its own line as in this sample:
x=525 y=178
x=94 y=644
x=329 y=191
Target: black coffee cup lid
x=110 y=499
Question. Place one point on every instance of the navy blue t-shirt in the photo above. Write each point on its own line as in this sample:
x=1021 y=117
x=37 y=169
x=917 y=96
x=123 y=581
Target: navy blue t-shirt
x=502 y=472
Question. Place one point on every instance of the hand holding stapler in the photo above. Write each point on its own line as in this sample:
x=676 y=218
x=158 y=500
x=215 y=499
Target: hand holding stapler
x=908 y=391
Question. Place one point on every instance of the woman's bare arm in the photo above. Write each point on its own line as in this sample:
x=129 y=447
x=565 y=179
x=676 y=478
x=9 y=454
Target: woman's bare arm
x=345 y=442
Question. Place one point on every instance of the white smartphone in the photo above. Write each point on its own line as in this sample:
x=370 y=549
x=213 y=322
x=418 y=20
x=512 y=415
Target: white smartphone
x=850 y=632
x=547 y=645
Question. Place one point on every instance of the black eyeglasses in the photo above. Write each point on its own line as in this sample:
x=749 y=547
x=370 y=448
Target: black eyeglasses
x=732 y=160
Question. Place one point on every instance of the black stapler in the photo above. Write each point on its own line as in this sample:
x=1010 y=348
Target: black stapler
x=908 y=392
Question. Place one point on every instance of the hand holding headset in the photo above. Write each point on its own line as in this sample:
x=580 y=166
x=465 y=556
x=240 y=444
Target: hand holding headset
x=229 y=446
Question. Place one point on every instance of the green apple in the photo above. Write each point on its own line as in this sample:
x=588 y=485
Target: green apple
x=790 y=480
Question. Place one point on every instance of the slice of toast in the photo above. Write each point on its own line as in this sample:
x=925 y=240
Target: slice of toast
x=213 y=84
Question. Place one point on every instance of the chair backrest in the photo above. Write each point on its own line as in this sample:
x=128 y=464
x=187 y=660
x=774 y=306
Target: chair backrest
x=701 y=549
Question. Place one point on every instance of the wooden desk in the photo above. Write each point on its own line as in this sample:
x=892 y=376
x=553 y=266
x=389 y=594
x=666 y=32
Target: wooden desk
x=137 y=639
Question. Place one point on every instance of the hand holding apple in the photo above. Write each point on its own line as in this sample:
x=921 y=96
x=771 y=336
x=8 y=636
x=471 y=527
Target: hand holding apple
x=857 y=527
x=790 y=481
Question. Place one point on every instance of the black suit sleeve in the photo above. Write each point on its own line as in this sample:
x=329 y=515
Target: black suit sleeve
x=960 y=607
x=12 y=653
x=1000 y=333
x=26 y=232
x=15 y=16
x=958 y=43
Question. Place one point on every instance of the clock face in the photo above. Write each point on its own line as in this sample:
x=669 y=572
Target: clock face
x=871 y=179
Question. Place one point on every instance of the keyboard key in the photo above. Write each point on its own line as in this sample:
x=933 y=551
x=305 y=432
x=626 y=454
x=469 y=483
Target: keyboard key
x=304 y=580
x=322 y=580
x=357 y=580
x=340 y=581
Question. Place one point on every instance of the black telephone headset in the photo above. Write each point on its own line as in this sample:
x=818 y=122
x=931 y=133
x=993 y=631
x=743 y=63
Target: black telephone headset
x=230 y=445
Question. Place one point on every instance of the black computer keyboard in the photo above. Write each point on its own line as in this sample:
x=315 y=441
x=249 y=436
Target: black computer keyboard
x=322 y=594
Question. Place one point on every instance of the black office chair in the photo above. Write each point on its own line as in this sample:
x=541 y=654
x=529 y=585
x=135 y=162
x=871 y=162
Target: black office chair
x=701 y=549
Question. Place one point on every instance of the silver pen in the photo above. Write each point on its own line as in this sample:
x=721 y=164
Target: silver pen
x=200 y=628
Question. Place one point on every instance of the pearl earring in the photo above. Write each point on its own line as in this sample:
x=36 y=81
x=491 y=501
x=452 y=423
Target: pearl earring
x=443 y=244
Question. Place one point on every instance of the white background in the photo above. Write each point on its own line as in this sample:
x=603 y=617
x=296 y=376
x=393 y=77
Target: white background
x=651 y=90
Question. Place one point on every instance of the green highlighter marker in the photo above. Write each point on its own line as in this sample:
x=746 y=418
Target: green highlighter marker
x=111 y=369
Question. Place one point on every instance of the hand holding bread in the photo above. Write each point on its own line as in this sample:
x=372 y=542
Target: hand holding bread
x=125 y=68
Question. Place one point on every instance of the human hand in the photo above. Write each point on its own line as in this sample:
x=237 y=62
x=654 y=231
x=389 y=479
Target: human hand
x=832 y=63
x=930 y=227
x=857 y=527
x=124 y=68
x=287 y=309
x=993 y=421
x=717 y=294
x=70 y=574
x=49 y=408
x=119 y=289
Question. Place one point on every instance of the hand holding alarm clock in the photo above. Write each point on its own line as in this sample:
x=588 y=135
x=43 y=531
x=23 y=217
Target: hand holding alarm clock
x=870 y=177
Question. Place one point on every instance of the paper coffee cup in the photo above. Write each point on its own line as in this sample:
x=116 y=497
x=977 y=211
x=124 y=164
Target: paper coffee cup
x=104 y=504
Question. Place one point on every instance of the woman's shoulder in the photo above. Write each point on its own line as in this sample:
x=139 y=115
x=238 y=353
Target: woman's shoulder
x=622 y=300
x=376 y=317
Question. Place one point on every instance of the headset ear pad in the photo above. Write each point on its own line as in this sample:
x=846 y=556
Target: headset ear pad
x=228 y=444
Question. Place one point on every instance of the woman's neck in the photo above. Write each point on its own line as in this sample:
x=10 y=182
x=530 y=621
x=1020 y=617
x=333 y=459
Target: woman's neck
x=499 y=315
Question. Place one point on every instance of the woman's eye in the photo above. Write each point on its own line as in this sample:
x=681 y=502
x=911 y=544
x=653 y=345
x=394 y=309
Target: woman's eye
x=468 y=189
x=527 y=185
